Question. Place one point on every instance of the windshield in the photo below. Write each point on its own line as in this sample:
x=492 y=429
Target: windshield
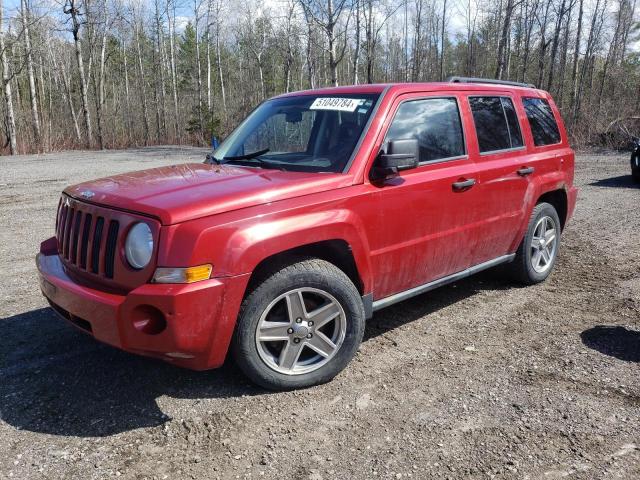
x=303 y=133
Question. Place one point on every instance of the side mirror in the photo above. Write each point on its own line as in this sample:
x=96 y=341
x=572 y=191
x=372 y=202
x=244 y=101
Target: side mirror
x=399 y=155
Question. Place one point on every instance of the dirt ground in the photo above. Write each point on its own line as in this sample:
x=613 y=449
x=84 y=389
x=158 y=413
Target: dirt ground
x=480 y=379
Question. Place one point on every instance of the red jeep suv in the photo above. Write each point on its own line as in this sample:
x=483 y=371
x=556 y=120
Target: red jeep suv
x=322 y=207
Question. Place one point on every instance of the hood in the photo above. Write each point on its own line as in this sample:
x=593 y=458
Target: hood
x=184 y=192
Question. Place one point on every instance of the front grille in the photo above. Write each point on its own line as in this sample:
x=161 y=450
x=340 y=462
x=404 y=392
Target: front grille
x=80 y=237
x=91 y=241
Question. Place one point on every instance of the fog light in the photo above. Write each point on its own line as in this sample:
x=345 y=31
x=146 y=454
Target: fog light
x=148 y=319
x=182 y=275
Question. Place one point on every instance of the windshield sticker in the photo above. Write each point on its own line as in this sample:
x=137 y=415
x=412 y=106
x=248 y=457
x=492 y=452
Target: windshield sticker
x=338 y=104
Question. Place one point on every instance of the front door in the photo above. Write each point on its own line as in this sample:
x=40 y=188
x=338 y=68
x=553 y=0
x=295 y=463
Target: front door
x=424 y=215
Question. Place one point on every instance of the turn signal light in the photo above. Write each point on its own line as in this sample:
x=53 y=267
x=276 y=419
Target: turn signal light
x=182 y=275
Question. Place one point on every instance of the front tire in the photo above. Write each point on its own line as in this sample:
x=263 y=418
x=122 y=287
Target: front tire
x=537 y=253
x=299 y=326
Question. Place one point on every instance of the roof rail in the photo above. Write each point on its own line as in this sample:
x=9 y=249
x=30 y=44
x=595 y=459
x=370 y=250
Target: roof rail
x=457 y=79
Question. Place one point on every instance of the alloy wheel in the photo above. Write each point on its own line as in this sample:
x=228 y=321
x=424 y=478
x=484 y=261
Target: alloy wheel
x=544 y=244
x=300 y=331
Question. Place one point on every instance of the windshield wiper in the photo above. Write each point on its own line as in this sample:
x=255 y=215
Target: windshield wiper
x=248 y=156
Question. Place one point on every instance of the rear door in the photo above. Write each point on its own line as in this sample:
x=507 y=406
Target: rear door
x=423 y=217
x=499 y=149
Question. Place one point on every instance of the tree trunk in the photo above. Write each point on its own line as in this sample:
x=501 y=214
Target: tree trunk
x=356 y=50
x=198 y=66
x=10 y=118
x=66 y=94
x=208 y=36
x=554 y=45
x=143 y=90
x=502 y=44
x=369 y=37
x=563 y=57
x=417 y=43
x=331 y=39
x=585 y=64
x=33 y=94
x=160 y=73
x=310 y=69
x=99 y=85
x=219 y=61
x=174 y=81
x=127 y=95
x=574 y=67
x=74 y=11
x=442 y=39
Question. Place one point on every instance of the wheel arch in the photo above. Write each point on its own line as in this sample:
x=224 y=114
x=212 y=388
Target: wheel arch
x=552 y=191
x=335 y=251
x=558 y=199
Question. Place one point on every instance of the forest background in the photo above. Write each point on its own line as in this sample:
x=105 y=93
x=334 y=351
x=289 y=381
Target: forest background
x=120 y=73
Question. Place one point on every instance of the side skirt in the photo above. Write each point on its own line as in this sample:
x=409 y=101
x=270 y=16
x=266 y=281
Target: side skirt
x=371 y=307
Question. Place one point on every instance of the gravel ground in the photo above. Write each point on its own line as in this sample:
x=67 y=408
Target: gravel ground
x=480 y=379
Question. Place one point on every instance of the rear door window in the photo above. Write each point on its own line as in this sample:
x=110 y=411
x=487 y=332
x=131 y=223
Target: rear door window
x=497 y=126
x=543 y=124
x=435 y=123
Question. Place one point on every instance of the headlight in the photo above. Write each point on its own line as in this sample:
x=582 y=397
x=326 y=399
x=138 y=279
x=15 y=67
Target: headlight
x=139 y=246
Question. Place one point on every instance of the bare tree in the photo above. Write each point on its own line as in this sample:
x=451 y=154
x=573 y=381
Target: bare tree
x=142 y=80
x=119 y=80
x=33 y=94
x=72 y=8
x=327 y=14
x=219 y=12
x=99 y=23
x=196 y=14
x=442 y=37
x=504 y=37
x=10 y=119
x=171 y=9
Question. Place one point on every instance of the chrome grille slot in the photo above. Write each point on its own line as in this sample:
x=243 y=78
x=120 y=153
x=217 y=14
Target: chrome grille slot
x=85 y=240
x=62 y=215
x=67 y=232
x=76 y=232
x=110 y=250
x=95 y=249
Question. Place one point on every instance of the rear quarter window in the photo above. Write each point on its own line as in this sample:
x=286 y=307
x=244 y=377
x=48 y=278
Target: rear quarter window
x=544 y=127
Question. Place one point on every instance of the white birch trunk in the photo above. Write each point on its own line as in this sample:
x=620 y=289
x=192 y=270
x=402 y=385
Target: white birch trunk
x=6 y=81
x=33 y=93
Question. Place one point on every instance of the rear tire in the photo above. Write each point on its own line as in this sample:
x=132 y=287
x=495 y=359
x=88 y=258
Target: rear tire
x=299 y=326
x=537 y=253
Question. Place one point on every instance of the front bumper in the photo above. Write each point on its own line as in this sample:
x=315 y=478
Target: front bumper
x=188 y=325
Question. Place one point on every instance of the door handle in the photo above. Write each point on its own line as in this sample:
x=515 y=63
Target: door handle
x=523 y=172
x=463 y=184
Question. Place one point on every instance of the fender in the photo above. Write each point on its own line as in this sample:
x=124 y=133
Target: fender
x=251 y=244
x=237 y=246
x=548 y=182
